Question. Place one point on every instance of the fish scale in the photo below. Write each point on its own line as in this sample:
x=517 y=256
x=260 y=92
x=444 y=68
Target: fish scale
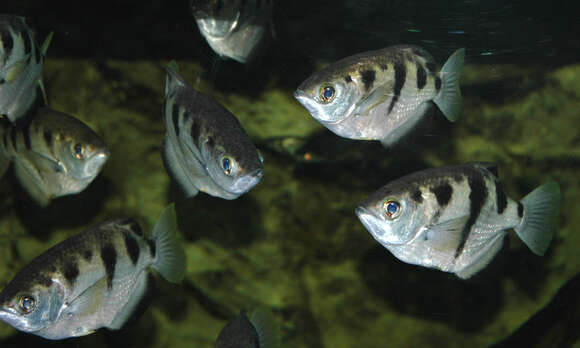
x=455 y=218
x=43 y=152
x=382 y=94
x=205 y=147
x=97 y=278
x=21 y=64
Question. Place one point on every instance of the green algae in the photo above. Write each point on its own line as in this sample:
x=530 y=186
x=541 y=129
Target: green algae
x=293 y=244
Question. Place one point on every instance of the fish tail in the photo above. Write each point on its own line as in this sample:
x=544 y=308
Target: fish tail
x=265 y=324
x=449 y=98
x=169 y=252
x=540 y=207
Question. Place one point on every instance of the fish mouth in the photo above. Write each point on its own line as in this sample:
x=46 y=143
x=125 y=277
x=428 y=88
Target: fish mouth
x=14 y=320
x=247 y=182
x=376 y=227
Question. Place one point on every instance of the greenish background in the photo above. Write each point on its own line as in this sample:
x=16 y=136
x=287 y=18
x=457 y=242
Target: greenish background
x=293 y=244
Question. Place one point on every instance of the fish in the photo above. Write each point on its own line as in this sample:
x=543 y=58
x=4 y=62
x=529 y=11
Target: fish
x=235 y=29
x=382 y=94
x=53 y=153
x=205 y=147
x=95 y=279
x=21 y=62
x=455 y=218
x=257 y=331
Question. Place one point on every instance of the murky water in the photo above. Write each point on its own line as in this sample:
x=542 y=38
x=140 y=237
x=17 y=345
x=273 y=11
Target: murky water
x=293 y=244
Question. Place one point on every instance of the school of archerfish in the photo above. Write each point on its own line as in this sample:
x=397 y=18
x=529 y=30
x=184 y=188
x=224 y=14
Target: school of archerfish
x=452 y=218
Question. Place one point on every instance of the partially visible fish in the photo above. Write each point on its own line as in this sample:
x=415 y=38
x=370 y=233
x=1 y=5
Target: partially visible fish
x=21 y=63
x=258 y=331
x=382 y=94
x=237 y=29
x=455 y=218
x=94 y=279
x=205 y=147
x=54 y=154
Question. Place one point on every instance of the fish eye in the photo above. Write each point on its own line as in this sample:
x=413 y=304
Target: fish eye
x=79 y=151
x=392 y=209
x=228 y=164
x=27 y=304
x=327 y=94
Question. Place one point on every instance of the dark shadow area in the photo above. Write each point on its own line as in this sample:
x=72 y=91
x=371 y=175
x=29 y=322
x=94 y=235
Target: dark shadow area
x=467 y=305
x=302 y=327
x=307 y=33
x=230 y=223
x=63 y=212
x=504 y=90
x=555 y=325
x=359 y=164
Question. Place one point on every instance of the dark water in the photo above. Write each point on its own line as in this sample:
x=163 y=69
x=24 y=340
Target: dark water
x=293 y=244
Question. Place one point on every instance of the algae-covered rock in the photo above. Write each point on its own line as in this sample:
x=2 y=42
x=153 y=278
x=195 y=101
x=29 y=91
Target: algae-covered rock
x=293 y=244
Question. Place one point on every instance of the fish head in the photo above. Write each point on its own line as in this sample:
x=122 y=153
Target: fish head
x=216 y=18
x=84 y=158
x=31 y=308
x=235 y=170
x=328 y=97
x=391 y=215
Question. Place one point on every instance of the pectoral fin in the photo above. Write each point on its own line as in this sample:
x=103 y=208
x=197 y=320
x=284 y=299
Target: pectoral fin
x=378 y=96
x=446 y=235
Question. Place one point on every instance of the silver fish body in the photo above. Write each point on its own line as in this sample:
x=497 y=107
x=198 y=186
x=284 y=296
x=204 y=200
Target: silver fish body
x=21 y=62
x=256 y=331
x=382 y=94
x=205 y=147
x=236 y=29
x=455 y=218
x=94 y=279
x=54 y=154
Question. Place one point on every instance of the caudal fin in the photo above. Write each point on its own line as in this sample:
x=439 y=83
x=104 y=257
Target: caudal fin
x=537 y=227
x=169 y=252
x=449 y=98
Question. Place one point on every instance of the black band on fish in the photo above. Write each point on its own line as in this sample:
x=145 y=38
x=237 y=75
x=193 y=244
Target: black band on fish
x=421 y=76
x=520 y=209
x=442 y=193
x=109 y=257
x=437 y=84
x=47 y=137
x=71 y=271
x=368 y=78
x=175 y=118
x=152 y=248
x=7 y=42
x=417 y=196
x=477 y=198
x=501 y=197
x=132 y=247
x=400 y=76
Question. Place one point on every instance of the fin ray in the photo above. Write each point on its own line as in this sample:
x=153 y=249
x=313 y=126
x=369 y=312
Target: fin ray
x=541 y=207
x=170 y=260
x=449 y=98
